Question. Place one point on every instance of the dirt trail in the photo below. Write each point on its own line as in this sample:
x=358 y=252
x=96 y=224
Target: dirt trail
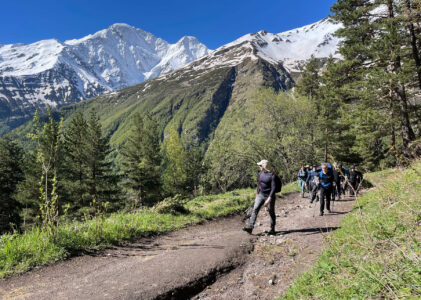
x=183 y=263
x=277 y=260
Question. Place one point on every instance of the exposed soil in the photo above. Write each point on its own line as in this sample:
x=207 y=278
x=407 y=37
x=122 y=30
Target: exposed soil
x=277 y=260
x=193 y=261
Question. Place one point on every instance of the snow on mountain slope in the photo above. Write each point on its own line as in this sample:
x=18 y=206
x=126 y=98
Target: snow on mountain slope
x=57 y=73
x=292 y=48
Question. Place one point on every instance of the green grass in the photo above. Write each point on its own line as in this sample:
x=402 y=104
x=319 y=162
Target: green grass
x=376 y=253
x=21 y=252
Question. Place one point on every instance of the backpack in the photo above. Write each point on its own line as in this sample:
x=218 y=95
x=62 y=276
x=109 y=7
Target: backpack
x=278 y=183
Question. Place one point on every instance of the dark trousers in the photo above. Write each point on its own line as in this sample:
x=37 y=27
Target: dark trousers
x=325 y=193
x=354 y=187
x=258 y=202
x=314 y=189
x=336 y=191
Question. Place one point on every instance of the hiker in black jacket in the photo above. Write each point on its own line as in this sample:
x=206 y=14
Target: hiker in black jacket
x=265 y=196
x=355 y=178
x=326 y=185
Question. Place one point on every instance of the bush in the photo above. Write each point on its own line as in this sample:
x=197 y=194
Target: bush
x=172 y=205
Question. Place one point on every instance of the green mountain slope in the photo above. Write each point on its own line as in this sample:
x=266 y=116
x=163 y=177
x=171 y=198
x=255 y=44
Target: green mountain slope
x=194 y=100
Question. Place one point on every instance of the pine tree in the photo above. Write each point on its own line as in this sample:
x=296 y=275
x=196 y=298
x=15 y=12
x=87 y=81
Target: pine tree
x=75 y=164
x=310 y=80
x=142 y=161
x=376 y=52
x=101 y=180
x=11 y=173
x=28 y=191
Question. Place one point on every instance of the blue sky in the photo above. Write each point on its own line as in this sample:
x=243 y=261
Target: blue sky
x=214 y=23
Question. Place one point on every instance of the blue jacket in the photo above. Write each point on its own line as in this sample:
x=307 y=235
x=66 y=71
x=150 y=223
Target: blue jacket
x=326 y=180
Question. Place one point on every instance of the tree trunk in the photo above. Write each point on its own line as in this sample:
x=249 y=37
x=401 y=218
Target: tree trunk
x=406 y=129
x=415 y=51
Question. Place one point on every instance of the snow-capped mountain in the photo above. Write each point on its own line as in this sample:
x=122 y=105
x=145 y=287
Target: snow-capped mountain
x=291 y=48
x=58 y=73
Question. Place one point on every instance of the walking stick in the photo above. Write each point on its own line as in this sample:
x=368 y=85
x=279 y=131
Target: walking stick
x=314 y=210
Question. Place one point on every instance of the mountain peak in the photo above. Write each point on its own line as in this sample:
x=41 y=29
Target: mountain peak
x=122 y=25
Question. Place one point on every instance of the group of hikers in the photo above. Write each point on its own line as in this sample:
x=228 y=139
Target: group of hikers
x=324 y=183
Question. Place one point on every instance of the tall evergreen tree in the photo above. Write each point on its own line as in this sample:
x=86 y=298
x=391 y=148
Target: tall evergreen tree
x=11 y=173
x=142 y=161
x=375 y=51
x=28 y=191
x=102 y=182
x=310 y=80
x=75 y=164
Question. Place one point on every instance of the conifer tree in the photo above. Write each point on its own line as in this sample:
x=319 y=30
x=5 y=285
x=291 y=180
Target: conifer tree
x=11 y=173
x=310 y=80
x=376 y=58
x=28 y=191
x=75 y=164
x=142 y=161
x=101 y=181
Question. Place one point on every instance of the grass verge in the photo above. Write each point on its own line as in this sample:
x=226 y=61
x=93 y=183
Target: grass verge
x=21 y=252
x=376 y=253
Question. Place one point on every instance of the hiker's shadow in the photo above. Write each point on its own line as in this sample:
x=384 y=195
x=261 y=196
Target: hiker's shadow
x=305 y=231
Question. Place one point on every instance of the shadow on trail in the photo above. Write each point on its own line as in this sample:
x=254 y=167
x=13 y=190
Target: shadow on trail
x=306 y=231
x=345 y=200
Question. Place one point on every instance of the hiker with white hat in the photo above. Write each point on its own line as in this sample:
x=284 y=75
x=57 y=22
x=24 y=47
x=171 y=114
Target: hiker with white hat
x=266 y=186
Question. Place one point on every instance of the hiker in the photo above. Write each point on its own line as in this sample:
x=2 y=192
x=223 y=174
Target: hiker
x=341 y=172
x=302 y=177
x=336 y=189
x=326 y=185
x=265 y=196
x=313 y=180
x=308 y=187
x=355 y=178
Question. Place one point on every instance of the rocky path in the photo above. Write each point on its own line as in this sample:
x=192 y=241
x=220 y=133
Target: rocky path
x=277 y=260
x=192 y=261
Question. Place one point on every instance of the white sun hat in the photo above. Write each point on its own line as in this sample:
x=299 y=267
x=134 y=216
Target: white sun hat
x=263 y=163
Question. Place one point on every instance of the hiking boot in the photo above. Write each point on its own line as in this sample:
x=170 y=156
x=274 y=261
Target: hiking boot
x=321 y=213
x=248 y=229
x=302 y=195
x=329 y=211
x=317 y=199
x=272 y=232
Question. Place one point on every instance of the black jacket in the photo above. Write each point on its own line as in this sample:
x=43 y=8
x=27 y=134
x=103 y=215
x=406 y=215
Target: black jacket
x=355 y=176
x=266 y=184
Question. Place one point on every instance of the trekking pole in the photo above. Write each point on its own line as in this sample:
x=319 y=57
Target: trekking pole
x=314 y=209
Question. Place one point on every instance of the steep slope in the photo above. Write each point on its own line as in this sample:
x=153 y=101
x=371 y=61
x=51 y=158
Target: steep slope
x=55 y=73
